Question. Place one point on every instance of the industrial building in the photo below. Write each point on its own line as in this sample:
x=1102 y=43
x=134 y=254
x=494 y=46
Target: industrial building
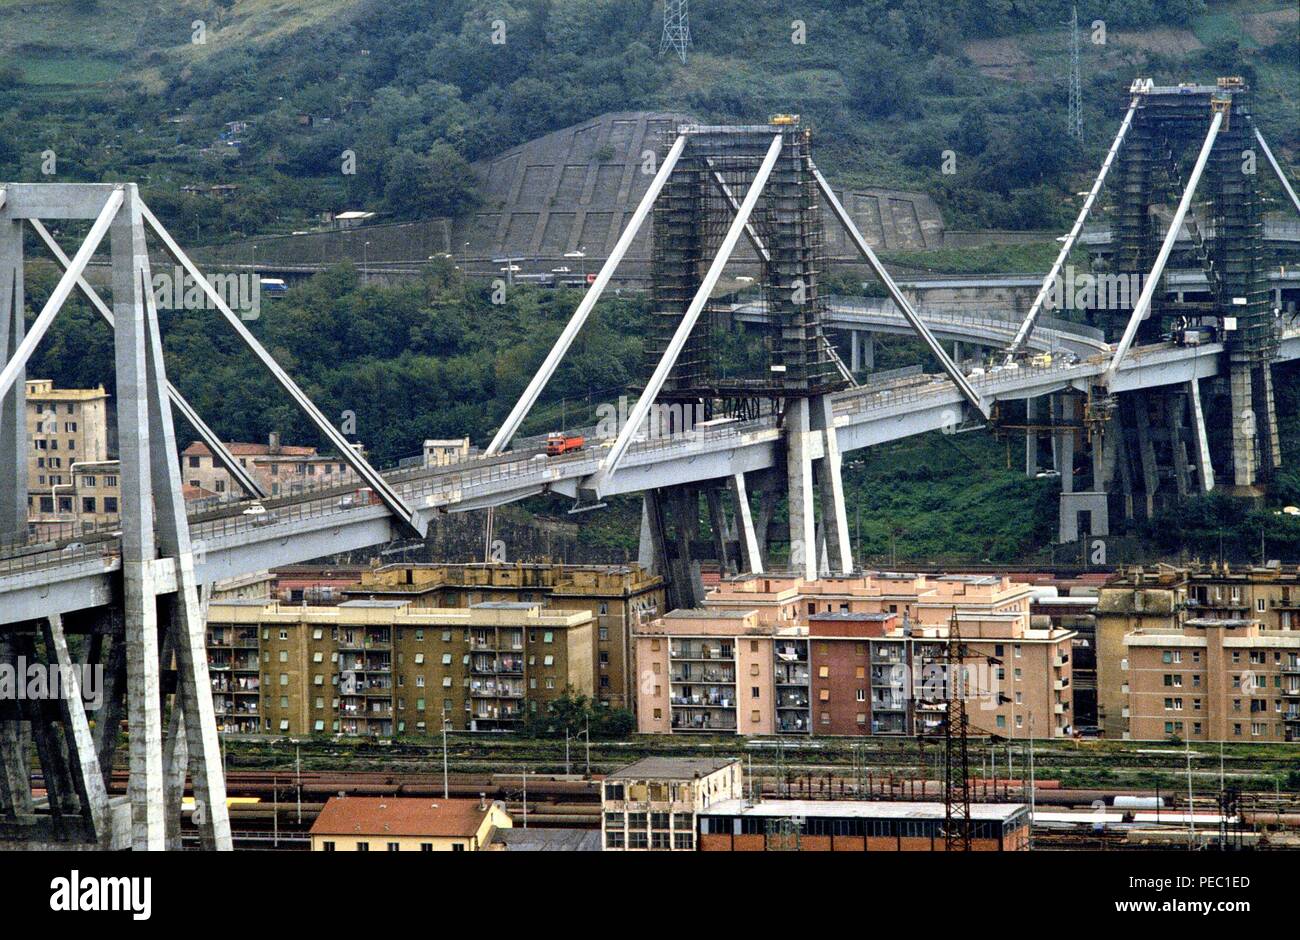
x=618 y=597
x=855 y=655
x=383 y=668
x=653 y=804
x=854 y=826
x=1204 y=653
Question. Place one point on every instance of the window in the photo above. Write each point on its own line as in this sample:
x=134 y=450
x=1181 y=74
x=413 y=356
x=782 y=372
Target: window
x=823 y=672
x=755 y=716
x=426 y=846
x=363 y=846
x=754 y=692
x=393 y=847
x=327 y=846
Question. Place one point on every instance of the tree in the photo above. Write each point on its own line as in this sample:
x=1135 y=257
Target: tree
x=437 y=184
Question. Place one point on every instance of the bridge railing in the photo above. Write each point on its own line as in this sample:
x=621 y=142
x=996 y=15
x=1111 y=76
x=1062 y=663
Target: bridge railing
x=959 y=312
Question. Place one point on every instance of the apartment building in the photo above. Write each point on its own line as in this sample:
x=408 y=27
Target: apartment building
x=1206 y=653
x=654 y=804
x=67 y=464
x=853 y=656
x=407 y=824
x=281 y=469
x=381 y=668
x=618 y=597
x=854 y=826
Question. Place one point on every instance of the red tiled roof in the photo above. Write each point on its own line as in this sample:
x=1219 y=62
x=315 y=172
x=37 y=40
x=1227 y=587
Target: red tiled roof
x=398 y=816
x=240 y=449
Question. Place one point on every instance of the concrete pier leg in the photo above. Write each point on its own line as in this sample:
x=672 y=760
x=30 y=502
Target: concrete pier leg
x=1200 y=440
x=835 y=519
x=108 y=721
x=1243 y=426
x=1124 y=460
x=1064 y=442
x=13 y=408
x=139 y=587
x=685 y=509
x=750 y=553
x=718 y=527
x=855 y=351
x=1146 y=452
x=803 y=550
x=767 y=500
x=1031 y=437
x=1175 y=408
x=645 y=555
x=87 y=776
x=15 y=773
x=1270 y=433
x=180 y=611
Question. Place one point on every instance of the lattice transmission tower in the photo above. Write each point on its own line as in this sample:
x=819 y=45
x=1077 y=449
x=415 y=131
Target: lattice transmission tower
x=1076 y=82
x=677 y=28
x=956 y=765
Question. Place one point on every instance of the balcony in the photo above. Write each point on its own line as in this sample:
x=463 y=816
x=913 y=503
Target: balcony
x=1060 y=708
x=686 y=674
x=1060 y=685
x=1059 y=661
x=692 y=652
x=703 y=723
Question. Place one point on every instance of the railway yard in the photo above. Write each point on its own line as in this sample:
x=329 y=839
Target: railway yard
x=1087 y=794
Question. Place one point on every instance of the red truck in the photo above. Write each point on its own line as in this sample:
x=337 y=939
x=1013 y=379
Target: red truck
x=557 y=444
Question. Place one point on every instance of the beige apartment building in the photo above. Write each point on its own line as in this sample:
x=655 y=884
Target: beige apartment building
x=1206 y=653
x=383 y=668
x=618 y=597
x=856 y=655
x=654 y=804
x=282 y=469
x=68 y=430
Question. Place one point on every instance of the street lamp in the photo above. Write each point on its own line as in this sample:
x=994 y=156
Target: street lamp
x=580 y=254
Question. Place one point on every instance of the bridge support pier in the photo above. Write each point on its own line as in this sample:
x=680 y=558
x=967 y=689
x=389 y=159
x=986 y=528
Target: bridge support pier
x=751 y=554
x=1200 y=440
x=799 y=475
x=13 y=406
x=1031 y=437
x=862 y=351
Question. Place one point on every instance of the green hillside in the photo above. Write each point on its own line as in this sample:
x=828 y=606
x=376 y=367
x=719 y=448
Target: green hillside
x=416 y=89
